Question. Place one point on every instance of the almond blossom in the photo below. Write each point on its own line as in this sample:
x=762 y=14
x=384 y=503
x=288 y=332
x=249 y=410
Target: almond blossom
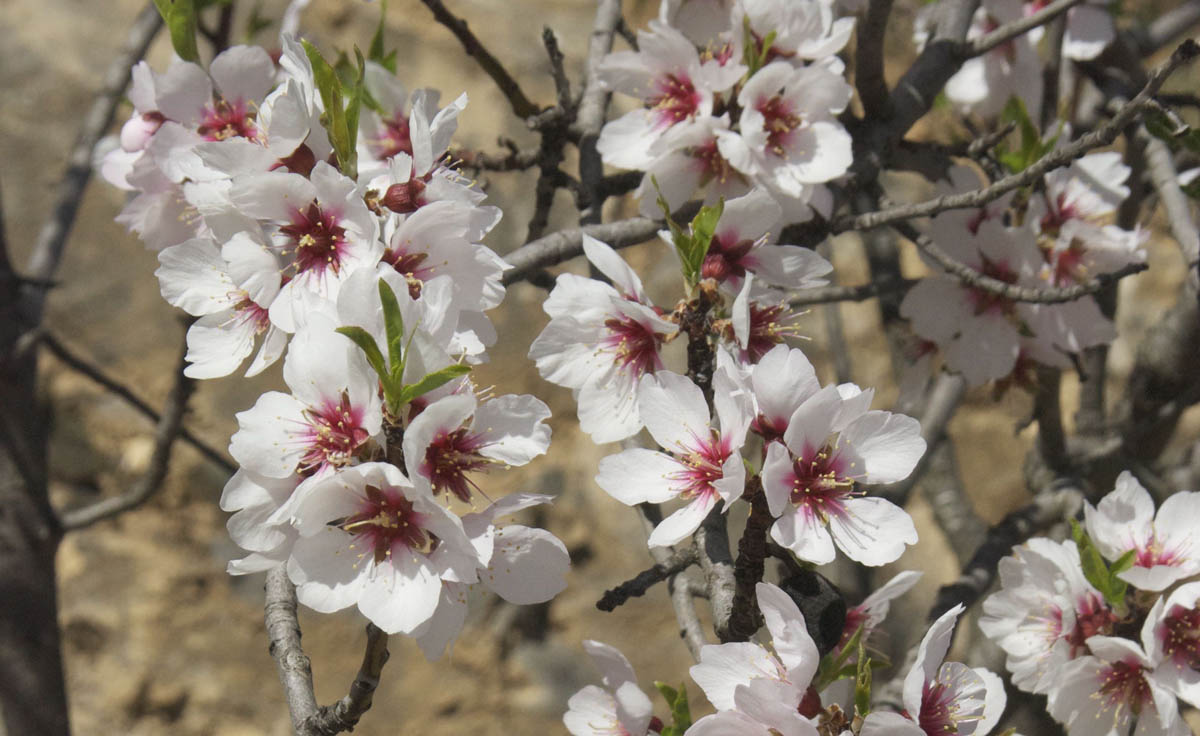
x=756 y=690
x=368 y=537
x=804 y=30
x=1044 y=613
x=701 y=463
x=620 y=707
x=942 y=697
x=1107 y=693
x=1165 y=545
x=601 y=341
x=833 y=443
x=1171 y=637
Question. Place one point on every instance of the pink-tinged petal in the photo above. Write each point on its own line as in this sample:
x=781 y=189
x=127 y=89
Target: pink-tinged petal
x=766 y=702
x=748 y=217
x=243 y=72
x=591 y=712
x=194 y=277
x=723 y=667
x=1159 y=577
x=271 y=350
x=930 y=655
x=513 y=428
x=1177 y=526
x=789 y=636
x=679 y=525
x=263 y=443
x=182 y=92
x=810 y=425
x=445 y=624
x=791 y=266
x=638 y=475
x=218 y=343
x=872 y=531
x=626 y=142
x=782 y=380
x=889 y=445
x=778 y=478
x=805 y=535
x=401 y=593
x=728 y=723
x=606 y=260
x=634 y=709
x=883 y=723
x=987 y=349
x=328 y=575
x=935 y=307
x=528 y=565
x=614 y=667
x=877 y=603
x=1117 y=649
x=674 y=410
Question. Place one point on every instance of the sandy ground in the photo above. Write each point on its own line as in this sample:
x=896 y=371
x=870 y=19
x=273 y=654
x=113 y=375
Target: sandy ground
x=158 y=639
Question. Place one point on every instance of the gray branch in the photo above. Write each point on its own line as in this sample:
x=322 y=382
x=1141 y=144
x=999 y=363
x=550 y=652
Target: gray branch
x=169 y=425
x=1009 y=31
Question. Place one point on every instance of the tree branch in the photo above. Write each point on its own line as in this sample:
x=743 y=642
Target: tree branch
x=521 y=106
x=1009 y=31
x=1101 y=136
x=92 y=371
x=637 y=586
x=164 y=438
x=345 y=714
x=868 y=58
x=593 y=107
x=283 y=631
x=680 y=586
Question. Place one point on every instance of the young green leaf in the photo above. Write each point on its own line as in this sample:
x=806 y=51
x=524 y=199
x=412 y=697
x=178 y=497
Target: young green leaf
x=180 y=19
x=694 y=248
x=862 y=683
x=334 y=118
x=364 y=341
x=434 y=380
x=1096 y=571
x=393 y=325
x=376 y=52
x=677 y=701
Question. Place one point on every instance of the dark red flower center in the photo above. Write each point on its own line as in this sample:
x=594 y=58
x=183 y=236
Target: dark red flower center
x=396 y=137
x=726 y=257
x=676 y=100
x=821 y=481
x=333 y=435
x=1124 y=684
x=386 y=520
x=1092 y=617
x=1180 y=634
x=987 y=302
x=319 y=242
x=779 y=120
x=448 y=459
x=409 y=265
x=634 y=345
x=224 y=119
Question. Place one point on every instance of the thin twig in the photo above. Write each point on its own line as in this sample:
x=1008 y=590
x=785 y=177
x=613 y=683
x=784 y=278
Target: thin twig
x=562 y=85
x=79 y=363
x=345 y=714
x=521 y=106
x=52 y=238
x=1009 y=31
x=1101 y=136
x=859 y=293
x=1031 y=294
x=637 y=586
x=593 y=107
x=680 y=586
x=1047 y=412
x=164 y=438
x=283 y=631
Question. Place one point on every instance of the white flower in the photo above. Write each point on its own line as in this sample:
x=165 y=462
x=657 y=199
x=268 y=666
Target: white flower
x=667 y=74
x=833 y=443
x=942 y=697
x=367 y=537
x=600 y=341
x=456 y=435
x=1171 y=637
x=1044 y=612
x=230 y=289
x=703 y=464
x=790 y=138
x=686 y=159
x=620 y=707
x=334 y=408
x=757 y=691
x=1166 y=546
x=1104 y=694
x=804 y=30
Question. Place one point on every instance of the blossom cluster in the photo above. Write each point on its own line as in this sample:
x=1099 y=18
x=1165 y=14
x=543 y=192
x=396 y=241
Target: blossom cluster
x=786 y=688
x=353 y=253
x=1107 y=626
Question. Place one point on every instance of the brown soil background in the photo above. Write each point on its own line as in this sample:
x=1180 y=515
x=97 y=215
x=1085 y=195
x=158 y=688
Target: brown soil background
x=158 y=639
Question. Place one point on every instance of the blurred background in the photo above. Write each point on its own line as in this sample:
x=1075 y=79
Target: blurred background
x=158 y=639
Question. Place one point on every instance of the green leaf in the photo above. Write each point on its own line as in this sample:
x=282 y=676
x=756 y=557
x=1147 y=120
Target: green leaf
x=341 y=136
x=1096 y=571
x=180 y=19
x=1159 y=125
x=833 y=669
x=677 y=701
x=430 y=382
x=1123 y=563
x=694 y=248
x=354 y=106
x=393 y=325
x=862 y=683
x=366 y=343
x=1031 y=146
x=376 y=52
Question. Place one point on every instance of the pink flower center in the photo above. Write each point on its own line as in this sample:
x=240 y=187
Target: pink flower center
x=1180 y=633
x=448 y=459
x=940 y=710
x=396 y=137
x=821 y=483
x=1154 y=554
x=333 y=435
x=986 y=302
x=676 y=100
x=634 y=345
x=768 y=327
x=386 y=520
x=702 y=466
x=247 y=312
x=1124 y=684
x=779 y=120
x=726 y=257
x=713 y=166
x=318 y=240
x=224 y=119
x=409 y=265
x=1092 y=617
